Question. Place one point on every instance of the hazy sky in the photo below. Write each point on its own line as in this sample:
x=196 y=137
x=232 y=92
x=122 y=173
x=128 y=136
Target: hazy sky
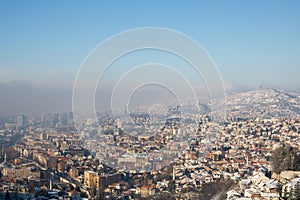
x=252 y=42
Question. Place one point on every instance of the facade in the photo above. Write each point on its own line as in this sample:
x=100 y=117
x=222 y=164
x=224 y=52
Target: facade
x=20 y=172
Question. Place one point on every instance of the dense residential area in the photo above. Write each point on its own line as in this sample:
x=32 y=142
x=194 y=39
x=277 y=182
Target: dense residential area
x=254 y=158
x=149 y=100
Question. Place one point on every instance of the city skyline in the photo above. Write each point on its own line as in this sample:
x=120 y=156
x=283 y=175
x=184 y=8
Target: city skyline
x=43 y=45
x=150 y=100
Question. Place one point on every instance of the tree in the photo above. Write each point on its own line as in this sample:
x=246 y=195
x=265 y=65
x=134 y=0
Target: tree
x=294 y=161
x=285 y=158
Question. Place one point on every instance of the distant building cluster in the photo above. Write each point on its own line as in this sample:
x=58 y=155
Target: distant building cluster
x=47 y=158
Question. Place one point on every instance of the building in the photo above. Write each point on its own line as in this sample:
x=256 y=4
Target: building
x=21 y=172
x=74 y=172
x=52 y=163
x=90 y=178
x=61 y=166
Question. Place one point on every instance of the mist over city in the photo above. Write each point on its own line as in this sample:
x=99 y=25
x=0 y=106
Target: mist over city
x=150 y=100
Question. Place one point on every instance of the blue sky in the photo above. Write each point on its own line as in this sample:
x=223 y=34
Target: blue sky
x=252 y=42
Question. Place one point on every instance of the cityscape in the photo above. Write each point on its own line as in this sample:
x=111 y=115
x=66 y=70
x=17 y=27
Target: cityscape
x=44 y=157
x=120 y=100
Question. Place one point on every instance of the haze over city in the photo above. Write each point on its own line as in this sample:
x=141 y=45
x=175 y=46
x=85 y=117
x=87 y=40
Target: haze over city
x=142 y=100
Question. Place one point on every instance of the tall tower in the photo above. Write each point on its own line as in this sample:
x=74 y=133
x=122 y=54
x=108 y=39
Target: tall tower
x=5 y=158
x=51 y=184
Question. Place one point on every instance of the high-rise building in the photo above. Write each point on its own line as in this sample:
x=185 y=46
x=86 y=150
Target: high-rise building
x=22 y=120
x=55 y=119
x=64 y=118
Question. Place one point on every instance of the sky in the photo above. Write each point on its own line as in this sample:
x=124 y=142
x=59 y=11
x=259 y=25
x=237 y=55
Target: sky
x=252 y=42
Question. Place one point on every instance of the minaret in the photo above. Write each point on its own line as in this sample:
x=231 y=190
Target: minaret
x=51 y=184
x=5 y=158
